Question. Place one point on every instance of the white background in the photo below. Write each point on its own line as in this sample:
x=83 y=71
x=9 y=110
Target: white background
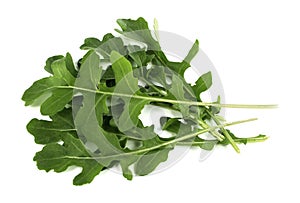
x=253 y=44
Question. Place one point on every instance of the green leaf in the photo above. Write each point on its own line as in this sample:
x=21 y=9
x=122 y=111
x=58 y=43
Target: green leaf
x=90 y=43
x=90 y=71
x=204 y=144
x=93 y=43
x=141 y=132
x=57 y=101
x=179 y=94
x=40 y=88
x=129 y=25
x=112 y=44
x=171 y=125
x=192 y=53
x=70 y=65
x=49 y=61
x=158 y=74
x=121 y=67
x=61 y=71
x=45 y=132
x=72 y=153
x=128 y=84
x=178 y=67
x=129 y=117
x=139 y=56
x=149 y=161
x=101 y=107
x=181 y=67
x=202 y=84
x=138 y=30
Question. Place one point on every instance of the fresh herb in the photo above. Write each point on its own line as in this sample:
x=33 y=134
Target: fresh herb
x=94 y=106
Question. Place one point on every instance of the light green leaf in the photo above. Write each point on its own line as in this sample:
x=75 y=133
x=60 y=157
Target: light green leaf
x=149 y=161
x=156 y=29
x=178 y=67
x=192 y=53
x=202 y=84
x=128 y=84
x=60 y=70
x=179 y=94
x=50 y=60
x=121 y=67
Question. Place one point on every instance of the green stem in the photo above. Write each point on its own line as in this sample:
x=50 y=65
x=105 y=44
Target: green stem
x=157 y=99
x=236 y=140
x=179 y=139
x=231 y=141
x=216 y=134
x=154 y=87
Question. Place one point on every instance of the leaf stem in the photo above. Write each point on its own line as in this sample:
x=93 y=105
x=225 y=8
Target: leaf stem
x=157 y=99
x=237 y=140
x=179 y=139
x=153 y=86
x=231 y=141
x=216 y=134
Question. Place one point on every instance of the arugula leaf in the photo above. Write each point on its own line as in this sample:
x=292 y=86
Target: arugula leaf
x=128 y=84
x=52 y=88
x=45 y=132
x=90 y=43
x=138 y=30
x=203 y=83
x=57 y=101
x=149 y=161
x=40 y=88
x=71 y=153
x=70 y=65
x=49 y=61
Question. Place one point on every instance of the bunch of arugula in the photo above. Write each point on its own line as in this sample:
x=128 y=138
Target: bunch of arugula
x=94 y=106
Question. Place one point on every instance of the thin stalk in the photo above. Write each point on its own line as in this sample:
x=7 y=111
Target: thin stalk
x=236 y=140
x=153 y=86
x=225 y=132
x=157 y=99
x=179 y=139
x=216 y=134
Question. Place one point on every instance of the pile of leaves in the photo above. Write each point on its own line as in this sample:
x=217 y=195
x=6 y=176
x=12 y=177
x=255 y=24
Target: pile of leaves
x=94 y=106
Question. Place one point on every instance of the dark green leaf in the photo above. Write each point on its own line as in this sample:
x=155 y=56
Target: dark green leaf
x=72 y=153
x=40 y=88
x=57 y=101
x=45 y=132
x=90 y=43
x=70 y=65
